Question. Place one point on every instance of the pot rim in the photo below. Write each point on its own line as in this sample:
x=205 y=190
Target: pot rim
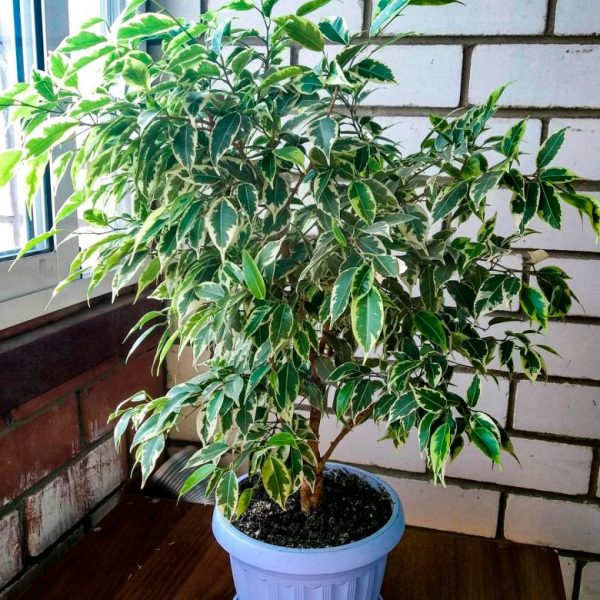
x=347 y=556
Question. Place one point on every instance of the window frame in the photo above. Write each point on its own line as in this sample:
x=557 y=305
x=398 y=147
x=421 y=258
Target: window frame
x=27 y=291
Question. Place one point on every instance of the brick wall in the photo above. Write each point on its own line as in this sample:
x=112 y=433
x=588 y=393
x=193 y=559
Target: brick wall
x=60 y=472
x=550 y=51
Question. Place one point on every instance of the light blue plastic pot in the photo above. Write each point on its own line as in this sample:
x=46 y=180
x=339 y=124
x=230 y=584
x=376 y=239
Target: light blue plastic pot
x=351 y=572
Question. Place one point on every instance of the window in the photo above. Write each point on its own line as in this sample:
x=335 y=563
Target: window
x=28 y=30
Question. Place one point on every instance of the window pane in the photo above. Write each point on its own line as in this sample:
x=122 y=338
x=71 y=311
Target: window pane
x=18 y=54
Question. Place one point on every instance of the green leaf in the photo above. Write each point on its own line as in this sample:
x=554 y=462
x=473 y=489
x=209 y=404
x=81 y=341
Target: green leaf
x=253 y=277
x=136 y=74
x=534 y=305
x=557 y=175
x=226 y=494
x=342 y=398
x=282 y=322
x=451 y=198
x=403 y=406
x=432 y=401
x=281 y=75
x=248 y=198
x=361 y=397
x=340 y=294
x=81 y=41
x=151 y=452
x=211 y=452
x=149 y=274
x=223 y=134
x=146 y=25
x=335 y=30
x=374 y=70
x=487 y=442
x=362 y=201
x=385 y=12
x=283 y=438
x=276 y=480
x=474 y=391
x=184 y=145
x=54 y=132
x=323 y=134
x=550 y=149
x=291 y=154
x=484 y=184
x=495 y=291
x=222 y=224
x=431 y=327
x=197 y=477
x=302 y=31
x=9 y=159
x=362 y=281
x=549 y=209
x=288 y=385
x=587 y=205
x=511 y=140
x=36 y=167
x=367 y=319
x=439 y=449
x=244 y=502
x=311 y=6
x=31 y=244
x=210 y=291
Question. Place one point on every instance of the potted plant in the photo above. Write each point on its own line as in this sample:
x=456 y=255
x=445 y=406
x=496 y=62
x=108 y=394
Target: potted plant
x=312 y=267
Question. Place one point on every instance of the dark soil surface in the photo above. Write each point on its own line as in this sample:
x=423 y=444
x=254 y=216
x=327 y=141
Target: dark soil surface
x=351 y=510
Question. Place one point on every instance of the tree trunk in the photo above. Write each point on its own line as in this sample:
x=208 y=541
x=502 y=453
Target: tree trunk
x=311 y=498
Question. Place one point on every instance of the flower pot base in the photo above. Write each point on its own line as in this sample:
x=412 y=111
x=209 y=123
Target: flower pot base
x=352 y=571
x=236 y=598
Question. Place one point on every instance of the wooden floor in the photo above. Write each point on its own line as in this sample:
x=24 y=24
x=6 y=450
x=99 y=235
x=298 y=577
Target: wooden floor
x=157 y=550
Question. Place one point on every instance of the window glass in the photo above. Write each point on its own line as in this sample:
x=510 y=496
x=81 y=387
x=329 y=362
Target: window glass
x=20 y=50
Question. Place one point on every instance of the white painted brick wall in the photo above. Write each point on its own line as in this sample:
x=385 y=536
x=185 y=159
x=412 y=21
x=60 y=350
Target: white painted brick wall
x=425 y=75
x=54 y=509
x=544 y=75
x=561 y=409
x=577 y=345
x=590 y=582
x=577 y=17
x=475 y=17
x=362 y=446
x=451 y=508
x=10 y=547
x=581 y=150
x=557 y=523
x=546 y=466
x=567 y=567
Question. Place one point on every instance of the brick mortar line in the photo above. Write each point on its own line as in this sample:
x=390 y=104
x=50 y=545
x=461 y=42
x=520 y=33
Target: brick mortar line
x=550 y=17
x=577 y=580
x=465 y=76
x=367 y=14
x=472 y=484
x=38 y=485
x=540 y=39
x=510 y=409
x=559 y=379
x=501 y=515
x=595 y=472
x=517 y=112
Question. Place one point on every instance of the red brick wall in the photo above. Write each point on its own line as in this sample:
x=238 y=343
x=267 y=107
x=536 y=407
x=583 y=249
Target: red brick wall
x=59 y=470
